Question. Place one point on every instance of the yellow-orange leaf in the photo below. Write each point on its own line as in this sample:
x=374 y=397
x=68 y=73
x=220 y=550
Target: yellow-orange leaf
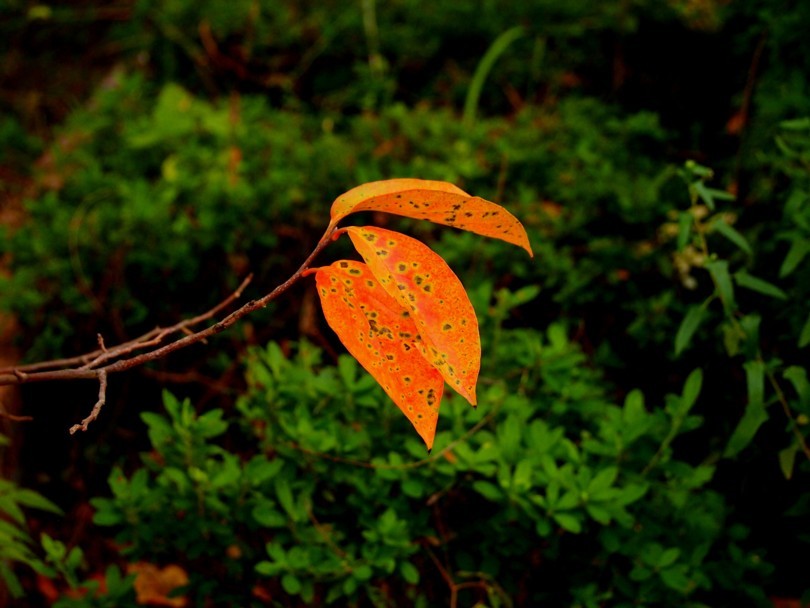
x=383 y=337
x=439 y=202
x=424 y=284
x=153 y=585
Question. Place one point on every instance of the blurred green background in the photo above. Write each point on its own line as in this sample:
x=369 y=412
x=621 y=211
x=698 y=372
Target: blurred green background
x=644 y=419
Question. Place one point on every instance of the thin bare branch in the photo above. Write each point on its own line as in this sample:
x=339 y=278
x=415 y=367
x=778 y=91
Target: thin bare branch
x=102 y=399
x=14 y=417
x=92 y=365
x=150 y=338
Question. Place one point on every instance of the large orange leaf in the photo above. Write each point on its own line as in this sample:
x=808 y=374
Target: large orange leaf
x=439 y=202
x=383 y=337
x=425 y=285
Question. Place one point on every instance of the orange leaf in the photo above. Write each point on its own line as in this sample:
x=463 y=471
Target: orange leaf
x=153 y=585
x=383 y=337
x=439 y=202
x=425 y=285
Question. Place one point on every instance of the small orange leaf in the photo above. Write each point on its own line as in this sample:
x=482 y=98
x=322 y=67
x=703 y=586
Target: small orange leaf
x=423 y=283
x=153 y=585
x=439 y=202
x=383 y=337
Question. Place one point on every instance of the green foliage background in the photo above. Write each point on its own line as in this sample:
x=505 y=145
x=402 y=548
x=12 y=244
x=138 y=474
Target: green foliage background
x=642 y=431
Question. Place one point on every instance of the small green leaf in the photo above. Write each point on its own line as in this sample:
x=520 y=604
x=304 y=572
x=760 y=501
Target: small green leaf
x=568 y=522
x=107 y=518
x=676 y=578
x=668 y=557
x=798 y=250
x=795 y=124
x=291 y=584
x=787 y=458
x=634 y=411
x=29 y=498
x=598 y=514
x=743 y=279
x=603 y=480
x=568 y=501
x=268 y=516
x=685 y=222
x=631 y=493
x=363 y=572
x=755 y=414
x=804 y=335
x=285 y=498
x=797 y=376
x=750 y=327
x=691 y=390
x=689 y=325
x=12 y=582
x=409 y=572
x=521 y=481
x=413 y=488
x=732 y=235
x=722 y=281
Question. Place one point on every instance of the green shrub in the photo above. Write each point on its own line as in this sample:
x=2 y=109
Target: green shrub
x=16 y=545
x=548 y=492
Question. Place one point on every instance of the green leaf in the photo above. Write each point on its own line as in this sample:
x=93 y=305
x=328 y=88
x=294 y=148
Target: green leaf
x=363 y=572
x=521 y=481
x=598 y=514
x=798 y=250
x=755 y=414
x=496 y=49
x=268 y=516
x=603 y=479
x=285 y=499
x=260 y=469
x=750 y=327
x=691 y=390
x=29 y=498
x=568 y=522
x=689 y=325
x=732 y=235
x=266 y=568
x=668 y=557
x=722 y=281
x=409 y=572
x=631 y=493
x=804 y=335
x=568 y=501
x=795 y=124
x=685 y=222
x=291 y=584
x=634 y=411
x=10 y=507
x=676 y=578
x=107 y=517
x=797 y=376
x=787 y=458
x=12 y=582
x=743 y=279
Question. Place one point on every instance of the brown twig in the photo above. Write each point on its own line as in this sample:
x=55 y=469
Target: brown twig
x=103 y=361
x=150 y=338
x=102 y=399
x=14 y=417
